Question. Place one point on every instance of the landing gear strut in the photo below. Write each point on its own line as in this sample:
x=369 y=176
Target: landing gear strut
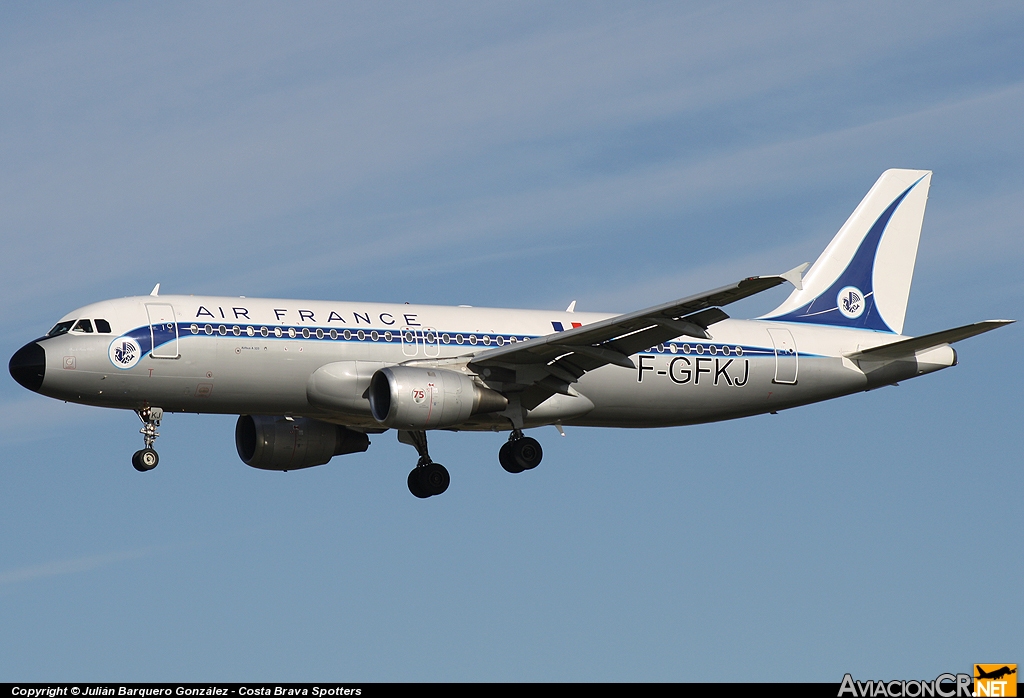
x=427 y=478
x=520 y=453
x=147 y=458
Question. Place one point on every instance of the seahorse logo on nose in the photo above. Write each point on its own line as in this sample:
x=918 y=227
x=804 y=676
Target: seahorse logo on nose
x=124 y=352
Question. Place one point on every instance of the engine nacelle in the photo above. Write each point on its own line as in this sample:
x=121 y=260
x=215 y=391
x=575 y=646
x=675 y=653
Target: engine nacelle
x=340 y=386
x=416 y=398
x=276 y=443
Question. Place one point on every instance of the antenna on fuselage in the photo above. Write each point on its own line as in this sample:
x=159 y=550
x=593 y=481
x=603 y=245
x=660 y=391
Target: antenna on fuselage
x=155 y=291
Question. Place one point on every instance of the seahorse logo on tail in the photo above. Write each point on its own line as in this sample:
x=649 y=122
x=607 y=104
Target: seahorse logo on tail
x=850 y=302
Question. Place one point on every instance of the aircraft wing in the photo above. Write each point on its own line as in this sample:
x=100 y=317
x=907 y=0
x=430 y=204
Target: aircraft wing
x=908 y=347
x=549 y=364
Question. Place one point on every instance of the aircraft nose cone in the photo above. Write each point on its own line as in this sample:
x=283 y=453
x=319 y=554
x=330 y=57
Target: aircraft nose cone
x=28 y=365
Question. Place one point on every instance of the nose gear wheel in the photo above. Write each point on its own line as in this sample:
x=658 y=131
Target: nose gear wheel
x=144 y=460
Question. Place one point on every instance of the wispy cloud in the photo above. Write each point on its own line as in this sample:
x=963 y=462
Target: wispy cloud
x=177 y=147
x=71 y=566
x=265 y=151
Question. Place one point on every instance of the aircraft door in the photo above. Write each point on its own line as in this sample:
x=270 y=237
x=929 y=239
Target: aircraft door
x=786 y=358
x=163 y=331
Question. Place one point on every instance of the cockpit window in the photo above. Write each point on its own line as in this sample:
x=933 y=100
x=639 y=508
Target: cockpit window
x=82 y=326
x=102 y=326
x=60 y=328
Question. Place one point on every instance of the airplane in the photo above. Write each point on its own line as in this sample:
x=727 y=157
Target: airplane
x=996 y=674
x=311 y=380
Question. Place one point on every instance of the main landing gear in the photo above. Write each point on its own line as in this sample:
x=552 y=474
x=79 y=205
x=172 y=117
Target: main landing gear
x=520 y=453
x=427 y=478
x=147 y=458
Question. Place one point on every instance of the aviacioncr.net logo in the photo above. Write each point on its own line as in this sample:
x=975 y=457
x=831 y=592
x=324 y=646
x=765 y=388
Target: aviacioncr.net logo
x=943 y=686
x=995 y=680
x=124 y=352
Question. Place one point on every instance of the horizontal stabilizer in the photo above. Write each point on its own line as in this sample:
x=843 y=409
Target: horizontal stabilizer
x=908 y=347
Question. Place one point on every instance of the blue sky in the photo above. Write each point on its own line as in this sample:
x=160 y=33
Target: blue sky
x=519 y=155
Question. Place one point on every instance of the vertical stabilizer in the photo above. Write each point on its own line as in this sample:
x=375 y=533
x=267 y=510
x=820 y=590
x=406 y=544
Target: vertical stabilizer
x=862 y=279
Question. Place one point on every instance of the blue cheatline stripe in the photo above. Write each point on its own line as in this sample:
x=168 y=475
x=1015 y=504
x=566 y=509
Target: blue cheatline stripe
x=824 y=309
x=167 y=334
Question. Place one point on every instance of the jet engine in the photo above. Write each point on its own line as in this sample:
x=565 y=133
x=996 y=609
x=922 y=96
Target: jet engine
x=416 y=398
x=276 y=443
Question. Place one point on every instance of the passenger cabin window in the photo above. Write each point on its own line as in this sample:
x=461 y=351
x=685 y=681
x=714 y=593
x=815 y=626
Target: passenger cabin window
x=82 y=326
x=60 y=328
x=102 y=326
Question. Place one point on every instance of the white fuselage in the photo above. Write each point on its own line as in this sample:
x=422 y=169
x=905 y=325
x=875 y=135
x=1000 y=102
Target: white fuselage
x=258 y=356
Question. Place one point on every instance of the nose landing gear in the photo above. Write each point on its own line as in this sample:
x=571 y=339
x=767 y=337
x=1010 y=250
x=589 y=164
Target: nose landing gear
x=520 y=453
x=147 y=458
